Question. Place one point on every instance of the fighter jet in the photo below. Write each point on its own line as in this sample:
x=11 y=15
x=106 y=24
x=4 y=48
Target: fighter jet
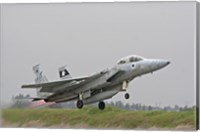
x=96 y=87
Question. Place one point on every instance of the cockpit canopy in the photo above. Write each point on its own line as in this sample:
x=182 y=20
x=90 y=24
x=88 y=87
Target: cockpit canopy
x=129 y=59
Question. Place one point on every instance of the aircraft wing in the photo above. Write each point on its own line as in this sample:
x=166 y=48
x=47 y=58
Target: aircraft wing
x=69 y=84
x=53 y=83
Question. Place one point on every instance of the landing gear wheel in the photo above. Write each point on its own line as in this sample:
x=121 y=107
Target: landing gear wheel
x=127 y=96
x=79 y=104
x=101 y=105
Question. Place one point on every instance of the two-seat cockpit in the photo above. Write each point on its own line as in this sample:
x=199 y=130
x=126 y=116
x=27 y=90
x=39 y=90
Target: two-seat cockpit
x=130 y=59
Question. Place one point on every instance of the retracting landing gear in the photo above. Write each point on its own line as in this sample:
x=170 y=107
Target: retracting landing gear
x=79 y=104
x=127 y=96
x=101 y=105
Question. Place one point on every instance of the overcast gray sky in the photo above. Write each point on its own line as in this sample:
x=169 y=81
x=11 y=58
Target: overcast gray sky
x=90 y=37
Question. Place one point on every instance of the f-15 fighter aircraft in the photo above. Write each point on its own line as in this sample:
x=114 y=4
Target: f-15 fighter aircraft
x=96 y=87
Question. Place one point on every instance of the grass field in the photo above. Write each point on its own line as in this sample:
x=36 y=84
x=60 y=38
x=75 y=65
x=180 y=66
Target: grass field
x=90 y=117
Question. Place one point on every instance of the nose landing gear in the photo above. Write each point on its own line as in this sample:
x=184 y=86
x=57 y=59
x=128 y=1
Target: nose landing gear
x=127 y=96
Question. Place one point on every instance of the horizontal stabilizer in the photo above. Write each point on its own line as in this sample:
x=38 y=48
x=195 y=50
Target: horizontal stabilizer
x=34 y=98
x=37 y=99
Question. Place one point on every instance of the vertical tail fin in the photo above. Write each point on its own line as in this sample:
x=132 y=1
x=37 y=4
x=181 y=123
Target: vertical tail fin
x=63 y=73
x=40 y=78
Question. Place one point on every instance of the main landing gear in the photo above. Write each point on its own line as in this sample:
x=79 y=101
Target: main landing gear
x=127 y=96
x=101 y=105
x=79 y=104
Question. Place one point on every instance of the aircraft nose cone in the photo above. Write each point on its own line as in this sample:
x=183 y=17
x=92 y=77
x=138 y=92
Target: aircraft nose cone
x=163 y=63
x=151 y=65
x=159 y=63
x=168 y=62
